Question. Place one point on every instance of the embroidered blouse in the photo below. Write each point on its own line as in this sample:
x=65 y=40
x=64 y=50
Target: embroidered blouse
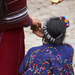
x=48 y=60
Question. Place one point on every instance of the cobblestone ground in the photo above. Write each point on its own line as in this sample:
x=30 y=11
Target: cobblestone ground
x=43 y=10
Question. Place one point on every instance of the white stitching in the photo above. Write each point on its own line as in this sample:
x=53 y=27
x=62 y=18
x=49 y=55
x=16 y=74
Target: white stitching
x=12 y=2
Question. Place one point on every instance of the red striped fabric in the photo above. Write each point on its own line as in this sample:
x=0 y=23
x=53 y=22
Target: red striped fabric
x=12 y=40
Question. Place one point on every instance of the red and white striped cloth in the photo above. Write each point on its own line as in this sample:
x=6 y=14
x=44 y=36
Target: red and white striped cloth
x=12 y=40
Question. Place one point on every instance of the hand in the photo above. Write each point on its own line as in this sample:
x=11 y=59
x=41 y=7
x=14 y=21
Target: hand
x=57 y=3
x=39 y=32
x=35 y=23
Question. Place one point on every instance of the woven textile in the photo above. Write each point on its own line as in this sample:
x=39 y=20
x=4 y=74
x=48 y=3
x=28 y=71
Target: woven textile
x=48 y=60
x=12 y=41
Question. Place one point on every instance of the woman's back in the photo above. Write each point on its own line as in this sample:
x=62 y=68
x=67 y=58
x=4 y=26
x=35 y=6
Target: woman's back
x=48 y=59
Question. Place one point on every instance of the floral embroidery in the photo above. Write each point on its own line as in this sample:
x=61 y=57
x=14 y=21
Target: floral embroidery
x=46 y=61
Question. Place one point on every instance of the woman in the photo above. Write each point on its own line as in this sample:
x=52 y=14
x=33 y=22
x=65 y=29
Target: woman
x=53 y=57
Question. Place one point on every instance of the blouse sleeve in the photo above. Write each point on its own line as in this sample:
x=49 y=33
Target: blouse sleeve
x=17 y=16
x=30 y=22
x=25 y=63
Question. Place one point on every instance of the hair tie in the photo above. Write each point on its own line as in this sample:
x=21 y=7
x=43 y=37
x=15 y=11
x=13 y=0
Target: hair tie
x=66 y=21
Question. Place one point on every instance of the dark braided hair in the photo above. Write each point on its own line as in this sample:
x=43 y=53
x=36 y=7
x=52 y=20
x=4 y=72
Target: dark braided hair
x=3 y=10
x=56 y=28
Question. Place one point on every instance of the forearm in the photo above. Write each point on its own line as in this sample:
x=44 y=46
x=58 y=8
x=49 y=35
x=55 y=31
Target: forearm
x=25 y=23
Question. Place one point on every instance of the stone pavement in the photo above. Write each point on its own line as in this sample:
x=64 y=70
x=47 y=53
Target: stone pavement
x=43 y=10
